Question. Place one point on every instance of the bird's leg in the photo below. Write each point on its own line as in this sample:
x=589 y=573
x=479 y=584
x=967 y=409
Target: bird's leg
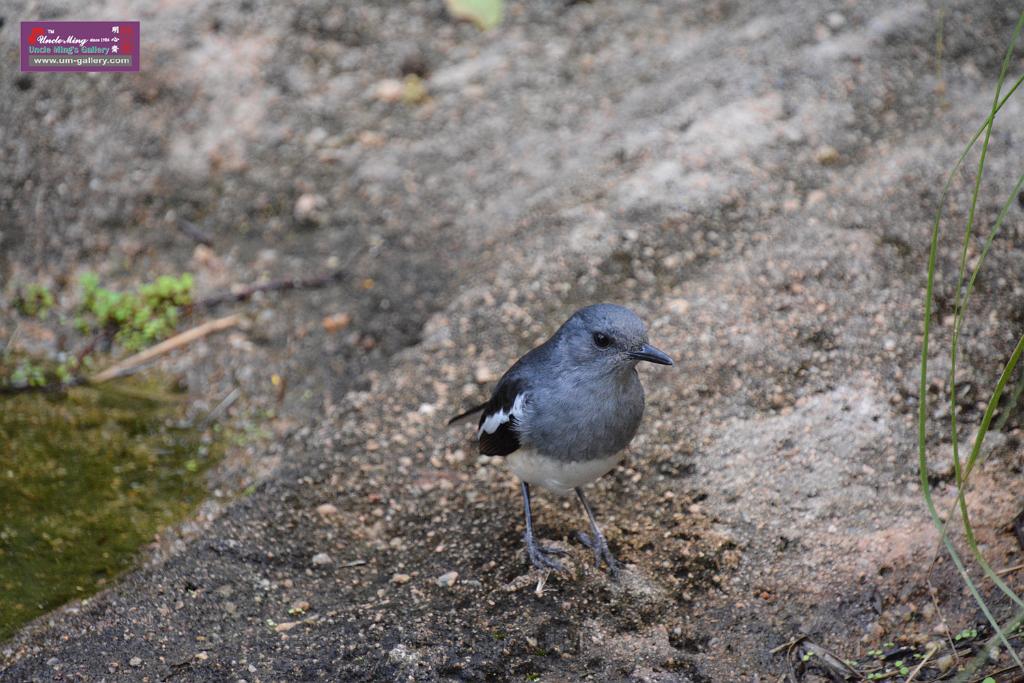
x=539 y=554
x=596 y=541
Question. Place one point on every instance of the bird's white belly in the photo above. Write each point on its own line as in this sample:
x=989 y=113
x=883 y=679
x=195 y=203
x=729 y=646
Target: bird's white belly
x=556 y=475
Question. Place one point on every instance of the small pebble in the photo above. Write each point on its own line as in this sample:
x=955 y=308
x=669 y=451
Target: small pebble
x=135 y=661
x=321 y=559
x=389 y=90
x=307 y=205
x=448 y=580
x=826 y=155
x=678 y=306
x=326 y=510
x=336 y=322
x=400 y=579
x=483 y=375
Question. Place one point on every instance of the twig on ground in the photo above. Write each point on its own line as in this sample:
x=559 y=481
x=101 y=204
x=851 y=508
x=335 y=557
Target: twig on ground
x=787 y=646
x=830 y=661
x=192 y=230
x=104 y=335
x=132 y=363
x=222 y=407
x=246 y=293
x=1010 y=570
x=920 y=665
x=354 y=563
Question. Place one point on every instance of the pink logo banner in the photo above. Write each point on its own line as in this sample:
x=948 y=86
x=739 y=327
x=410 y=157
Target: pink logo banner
x=79 y=46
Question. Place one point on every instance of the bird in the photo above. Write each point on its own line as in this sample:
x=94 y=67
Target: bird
x=563 y=414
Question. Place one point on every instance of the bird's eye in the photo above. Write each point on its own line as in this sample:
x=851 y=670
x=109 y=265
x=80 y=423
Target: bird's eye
x=602 y=340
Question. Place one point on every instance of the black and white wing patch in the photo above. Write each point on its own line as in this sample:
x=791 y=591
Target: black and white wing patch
x=499 y=423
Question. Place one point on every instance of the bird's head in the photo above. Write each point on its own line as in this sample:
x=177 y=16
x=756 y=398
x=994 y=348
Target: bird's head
x=607 y=338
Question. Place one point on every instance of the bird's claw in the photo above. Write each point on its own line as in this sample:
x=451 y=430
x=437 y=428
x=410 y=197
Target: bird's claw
x=542 y=556
x=601 y=552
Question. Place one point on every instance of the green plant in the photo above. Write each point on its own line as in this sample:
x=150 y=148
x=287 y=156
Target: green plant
x=135 y=319
x=35 y=301
x=962 y=469
x=29 y=374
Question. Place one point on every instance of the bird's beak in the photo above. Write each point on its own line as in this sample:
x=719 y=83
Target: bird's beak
x=651 y=354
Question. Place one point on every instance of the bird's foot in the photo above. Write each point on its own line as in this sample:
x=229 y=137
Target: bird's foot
x=542 y=556
x=602 y=553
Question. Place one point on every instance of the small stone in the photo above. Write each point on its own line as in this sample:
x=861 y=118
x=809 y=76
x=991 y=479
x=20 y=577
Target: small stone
x=678 y=306
x=322 y=559
x=202 y=656
x=286 y=626
x=326 y=510
x=826 y=155
x=447 y=580
x=400 y=579
x=835 y=20
x=52 y=661
x=336 y=322
x=815 y=197
x=483 y=375
x=389 y=90
x=135 y=661
x=945 y=663
x=307 y=207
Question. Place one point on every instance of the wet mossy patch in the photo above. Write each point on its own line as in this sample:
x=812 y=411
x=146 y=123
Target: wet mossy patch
x=86 y=479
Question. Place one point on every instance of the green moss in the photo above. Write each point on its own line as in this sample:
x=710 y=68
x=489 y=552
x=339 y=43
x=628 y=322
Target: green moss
x=137 y=318
x=84 y=482
x=35 y=301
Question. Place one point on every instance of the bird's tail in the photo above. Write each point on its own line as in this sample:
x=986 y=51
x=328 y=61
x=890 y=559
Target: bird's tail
x=471 y=411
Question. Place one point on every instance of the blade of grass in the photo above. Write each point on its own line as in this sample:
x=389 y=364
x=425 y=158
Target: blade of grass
x=982 y=657
x=922 y=412
x=960 y=304
x=989 y=412
x=1014 y=400
x=960 y=313
x=922 y=434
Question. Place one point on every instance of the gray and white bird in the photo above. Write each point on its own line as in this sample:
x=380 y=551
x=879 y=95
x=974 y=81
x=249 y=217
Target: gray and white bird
x=566 y=410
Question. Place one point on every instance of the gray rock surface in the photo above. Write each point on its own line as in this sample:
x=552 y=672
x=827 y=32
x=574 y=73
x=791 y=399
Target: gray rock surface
x=757 y=179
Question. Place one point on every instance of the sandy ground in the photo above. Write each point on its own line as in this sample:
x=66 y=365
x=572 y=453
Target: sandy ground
x=756 y=180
